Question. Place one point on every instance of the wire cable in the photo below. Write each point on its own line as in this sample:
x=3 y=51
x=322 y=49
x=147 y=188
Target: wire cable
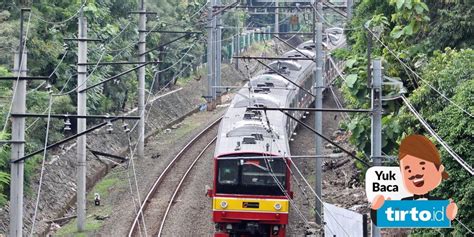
x=20 y=66
x=463 y=225
x=319 y=198
x=50 y=75
x=63 y=21
x=418 y=76
x=456 y=157
x=42 y=166
x=132 y=153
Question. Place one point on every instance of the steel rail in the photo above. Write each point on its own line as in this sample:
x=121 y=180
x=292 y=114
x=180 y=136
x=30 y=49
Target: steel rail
x=158 y=181
x=170 y=203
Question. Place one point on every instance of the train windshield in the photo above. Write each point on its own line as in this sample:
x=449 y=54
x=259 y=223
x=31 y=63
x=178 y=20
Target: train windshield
x=251 y=176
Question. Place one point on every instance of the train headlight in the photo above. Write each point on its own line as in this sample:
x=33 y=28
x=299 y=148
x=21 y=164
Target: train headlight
x=277 y=206
x=224 y=204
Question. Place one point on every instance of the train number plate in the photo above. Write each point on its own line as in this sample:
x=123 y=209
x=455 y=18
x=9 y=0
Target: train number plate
x=250 y=205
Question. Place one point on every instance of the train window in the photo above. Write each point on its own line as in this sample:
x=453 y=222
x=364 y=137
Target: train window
x=249 y=140
x=258 y=136
x=269 y=84
x=228 y=171
x=257 y=172
x=251 y=176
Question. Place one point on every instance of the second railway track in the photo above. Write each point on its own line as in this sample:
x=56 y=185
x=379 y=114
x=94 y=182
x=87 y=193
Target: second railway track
x=157 y=203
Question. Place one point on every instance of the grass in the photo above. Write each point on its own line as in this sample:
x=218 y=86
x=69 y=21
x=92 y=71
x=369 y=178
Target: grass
x=92 y=224
x=71 y=228
x=182 y=81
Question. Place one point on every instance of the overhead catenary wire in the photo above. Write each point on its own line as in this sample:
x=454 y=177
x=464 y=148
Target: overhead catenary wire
x=425 y=124
x=316 y=195
x=63 y=21
x=20 y=65
x=464 y=226
x=51 y=74
x=417 y=75
x=46 y=138
x=132 y=153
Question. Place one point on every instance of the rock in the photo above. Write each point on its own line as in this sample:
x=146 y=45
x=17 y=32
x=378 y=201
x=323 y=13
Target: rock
x=329 y=146
x=101 y=218
x=175 y=126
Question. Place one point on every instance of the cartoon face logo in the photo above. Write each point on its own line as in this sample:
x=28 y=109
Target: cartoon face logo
x=421 y=171
x=420 y=165
x=420 y=176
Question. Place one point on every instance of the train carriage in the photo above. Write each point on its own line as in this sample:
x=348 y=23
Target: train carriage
x=251 y=192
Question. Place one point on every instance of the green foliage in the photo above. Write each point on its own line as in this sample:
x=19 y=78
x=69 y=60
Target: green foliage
x=423 y=45
x=4 y=165
x=452 y=73
x=410 y=16
x=110 y=21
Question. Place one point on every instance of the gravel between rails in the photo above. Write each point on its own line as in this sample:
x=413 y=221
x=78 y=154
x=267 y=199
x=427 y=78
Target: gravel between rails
x=159 y=201
x=191 y=214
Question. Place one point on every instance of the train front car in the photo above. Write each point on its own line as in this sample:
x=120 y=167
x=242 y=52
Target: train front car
x=251 y=200
x=251 y=180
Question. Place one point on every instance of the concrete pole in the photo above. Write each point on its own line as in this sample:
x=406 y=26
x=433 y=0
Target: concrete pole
x=237 y=50
x=349 y=5
x=214 y=53
x=210 y=58
x=218 y=53
x=318 y=122
x=81 y=125
x=376 y=126
x=277 y=19
x=18 y=136
x=141 y=79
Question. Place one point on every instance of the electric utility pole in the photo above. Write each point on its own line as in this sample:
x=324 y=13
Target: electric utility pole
x=210 y=58
x=218 y=53
x=81 y=123
x=18 y=136
x=141 y=78
x=349 y=5
x=277 y=19
x=318 y=104
x=376 y=126
x=318 y=119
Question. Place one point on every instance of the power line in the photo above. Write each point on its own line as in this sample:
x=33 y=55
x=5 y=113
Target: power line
x=22 y=60
x=132 y=153
x=463 y=163
x=42 y=165
x=418 y=76
x=316 y=195
x=50 y=75
x=63 y=21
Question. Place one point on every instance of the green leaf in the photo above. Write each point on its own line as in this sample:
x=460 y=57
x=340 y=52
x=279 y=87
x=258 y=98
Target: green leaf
x=424 y=6
x=350 y=63
x=350 y=80
x=408 y=4
x=400 y=3
x=419 y=9
x=409 y=28
x=397 y=32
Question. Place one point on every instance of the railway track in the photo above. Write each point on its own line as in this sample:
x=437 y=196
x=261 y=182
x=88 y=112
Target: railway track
x=161 y=196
